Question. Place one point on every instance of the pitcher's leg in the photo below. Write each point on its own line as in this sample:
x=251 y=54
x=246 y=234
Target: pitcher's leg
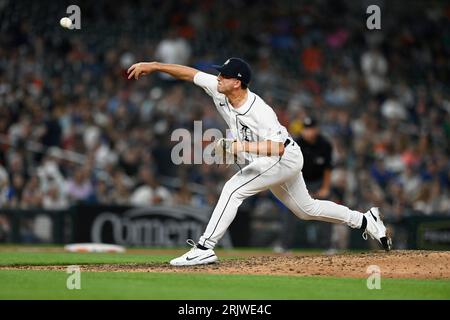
x=295 y=196
x=256 y=177
x=233 y=193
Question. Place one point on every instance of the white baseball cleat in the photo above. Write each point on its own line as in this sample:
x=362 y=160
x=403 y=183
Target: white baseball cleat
x=195 y=256
x=376 y=229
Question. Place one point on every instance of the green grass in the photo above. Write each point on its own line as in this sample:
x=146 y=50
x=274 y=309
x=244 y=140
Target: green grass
x=68 y=258
x=6 y=247
x=41 y=284
x=32 y=284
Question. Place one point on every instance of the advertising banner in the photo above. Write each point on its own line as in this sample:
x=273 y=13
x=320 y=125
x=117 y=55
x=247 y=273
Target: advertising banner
x=155 y=226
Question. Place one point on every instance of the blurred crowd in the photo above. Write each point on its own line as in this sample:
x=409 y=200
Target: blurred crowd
x=73 y=128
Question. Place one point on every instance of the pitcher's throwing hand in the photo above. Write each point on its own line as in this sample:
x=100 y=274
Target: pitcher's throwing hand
x=141 y=68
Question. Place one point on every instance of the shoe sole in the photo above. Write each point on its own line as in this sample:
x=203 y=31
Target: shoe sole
x=386 y=242
x=207 y=261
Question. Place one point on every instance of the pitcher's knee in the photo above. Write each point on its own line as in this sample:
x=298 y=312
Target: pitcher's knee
x=235 y=196
x=311 y=209
x=227 y=190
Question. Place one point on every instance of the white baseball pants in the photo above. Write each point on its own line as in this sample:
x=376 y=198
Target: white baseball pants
x=283 y=176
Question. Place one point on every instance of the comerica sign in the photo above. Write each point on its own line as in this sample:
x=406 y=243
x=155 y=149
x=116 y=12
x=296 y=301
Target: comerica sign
x=146 y=226
x=146 y=229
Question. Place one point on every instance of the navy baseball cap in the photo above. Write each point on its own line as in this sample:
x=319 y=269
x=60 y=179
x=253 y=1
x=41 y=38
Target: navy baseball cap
x=236 y=68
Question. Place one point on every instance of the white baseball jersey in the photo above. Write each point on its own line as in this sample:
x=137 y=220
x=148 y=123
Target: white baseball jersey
x=253 y=121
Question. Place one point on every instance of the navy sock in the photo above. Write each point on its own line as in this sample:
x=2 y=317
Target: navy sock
x=364 y=224
x=205 y=248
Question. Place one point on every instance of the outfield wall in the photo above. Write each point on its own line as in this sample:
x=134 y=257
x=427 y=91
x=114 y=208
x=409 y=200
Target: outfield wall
x=161 y=226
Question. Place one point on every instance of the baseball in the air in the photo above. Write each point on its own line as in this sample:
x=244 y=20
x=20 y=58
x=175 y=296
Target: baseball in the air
x=65 y=22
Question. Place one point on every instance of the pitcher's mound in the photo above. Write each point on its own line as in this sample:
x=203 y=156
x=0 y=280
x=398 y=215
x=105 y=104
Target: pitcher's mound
x=394 y=264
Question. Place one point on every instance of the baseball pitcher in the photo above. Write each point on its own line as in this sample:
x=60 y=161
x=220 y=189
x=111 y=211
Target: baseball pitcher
x=275 y=160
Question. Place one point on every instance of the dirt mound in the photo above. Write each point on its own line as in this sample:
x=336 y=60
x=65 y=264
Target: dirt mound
x=395 y=264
